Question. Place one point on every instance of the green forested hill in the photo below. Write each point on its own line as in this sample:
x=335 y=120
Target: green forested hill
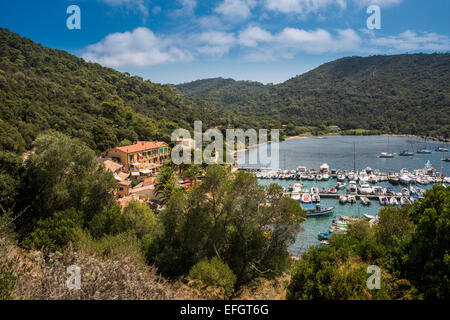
x=43 y=88
x=223 y=92
x=397 y=94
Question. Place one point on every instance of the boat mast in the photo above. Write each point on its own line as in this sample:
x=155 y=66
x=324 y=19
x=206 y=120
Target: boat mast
x=354 y=156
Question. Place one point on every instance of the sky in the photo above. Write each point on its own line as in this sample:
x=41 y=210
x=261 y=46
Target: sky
x=270 y=41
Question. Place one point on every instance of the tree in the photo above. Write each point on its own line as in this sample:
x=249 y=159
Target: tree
x=165 y=185
x=140 y=220
x=63 y=173
x=425 y=259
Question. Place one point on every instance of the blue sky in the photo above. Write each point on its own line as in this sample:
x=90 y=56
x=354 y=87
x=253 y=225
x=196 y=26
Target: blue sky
x=175 y=41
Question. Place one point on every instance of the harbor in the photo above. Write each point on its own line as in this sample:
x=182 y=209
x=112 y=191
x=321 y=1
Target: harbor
x=346 y=174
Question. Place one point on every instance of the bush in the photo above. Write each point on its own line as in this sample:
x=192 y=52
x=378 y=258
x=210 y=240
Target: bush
x=109 y=222
x=139 y=219
x=55 y=232
x=214 y=273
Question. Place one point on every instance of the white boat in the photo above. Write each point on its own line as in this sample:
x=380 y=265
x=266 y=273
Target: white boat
x=368 y=216
x=365 y=189
x=314 y=190
x=405 y=192
x=365 y=200
x=325 y=177
x=404 y=201
x=405 y=179
x=383 y=200
x=373 y=178
x=352 y=189
x=363 y=178
x=351 y=198
x=295 y=196
x=315 y=198
x=306 y=198
x=324 y=168
x=340 y=185
x=393 y=201
x=385 y=155
x=342 y=199
x=341 y=177
x=319 y=177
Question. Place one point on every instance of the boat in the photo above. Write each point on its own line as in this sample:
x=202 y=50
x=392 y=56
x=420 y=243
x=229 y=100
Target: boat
x=341 y=177
x=340 y=185
x=324 y=236
x=324 y=168
x=352 y=189
x=446 y=159
x=441 y=149
x=405 y=192
x=385 y=155
x=365 y=189
x=365 y=200
x=325 y=177
x=373 y=178
x=406 y=153
x=368 y=216
x=343 y=199
x=393 y=178
x=351 y=198
x=315 y=198
x=404 y=201
x=319 y=177
x=295 y=196
x=306 y=198
x=424 y=151
x=314 y=190
x=314 y=210
x=383 y=200
x=393 y=201
x=332 y=190
x=405 y=179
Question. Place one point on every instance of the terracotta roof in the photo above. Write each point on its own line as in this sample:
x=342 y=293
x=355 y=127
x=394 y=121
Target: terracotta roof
x=125 y=182
x=112 y=166
x=142 y=146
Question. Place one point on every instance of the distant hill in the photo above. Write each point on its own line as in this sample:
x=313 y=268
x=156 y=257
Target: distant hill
x=407 y=93
x=223 y=92
x=43 y=88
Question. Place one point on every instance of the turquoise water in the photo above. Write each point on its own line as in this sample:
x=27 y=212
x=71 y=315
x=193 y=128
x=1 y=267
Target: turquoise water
x=338 y=152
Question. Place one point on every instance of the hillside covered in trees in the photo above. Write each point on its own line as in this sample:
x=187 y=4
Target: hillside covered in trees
x=43 y=88
x=407 y=93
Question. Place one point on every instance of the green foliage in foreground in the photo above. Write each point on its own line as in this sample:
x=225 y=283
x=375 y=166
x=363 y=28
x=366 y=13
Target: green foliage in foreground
x=214 y=273
x=229 y=216
x=410 y=245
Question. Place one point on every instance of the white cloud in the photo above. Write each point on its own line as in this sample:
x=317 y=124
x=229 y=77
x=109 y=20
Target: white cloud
x=313 y=6
x=135 y=5
x=412 y=41
x=214 y=43
x=251 y=36
x=236 y=9
x=141 y=47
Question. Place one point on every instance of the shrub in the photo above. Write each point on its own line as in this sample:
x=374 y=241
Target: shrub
x=214 y=273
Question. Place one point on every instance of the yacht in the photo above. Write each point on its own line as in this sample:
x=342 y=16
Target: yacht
x=406 y=153
x=352 y=189
x=385 y=155
x=441 y=149
x=405 y=179
x=365 y=189
x=424 y=151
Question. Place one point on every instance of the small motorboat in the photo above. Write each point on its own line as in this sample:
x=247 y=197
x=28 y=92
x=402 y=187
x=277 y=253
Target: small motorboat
x=352 y=189
x=343 y=199
x=393 y=201
x=406 y=153
x=405 y=192
x=319 y=177
x=295 y=196
x=441 y=149
x=384 y=200
x=365 y=201
x=365 y=189
x=324 y=236
x=368 y=216
x=404 y=201
x=340 y=185
x=315 y=198
x=341 y=177
x=306 y=198
x=332 y=190
x=314 y=210
x=351 y=198
x=325 y=177
x=314 y=190
x=424 y=151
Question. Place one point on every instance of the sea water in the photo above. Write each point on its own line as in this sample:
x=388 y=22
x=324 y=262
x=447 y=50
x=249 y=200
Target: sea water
x=345 y=152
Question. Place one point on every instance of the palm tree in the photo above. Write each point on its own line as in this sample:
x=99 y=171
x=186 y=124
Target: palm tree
x=165 y=185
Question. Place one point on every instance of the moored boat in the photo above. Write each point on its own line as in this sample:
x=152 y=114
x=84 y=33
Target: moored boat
x=306 y=198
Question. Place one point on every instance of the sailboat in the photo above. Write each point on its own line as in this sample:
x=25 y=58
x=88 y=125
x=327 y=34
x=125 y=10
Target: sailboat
x=386 y=154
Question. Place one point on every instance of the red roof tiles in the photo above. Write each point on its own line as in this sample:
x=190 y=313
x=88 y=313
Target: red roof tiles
x=142 y=146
